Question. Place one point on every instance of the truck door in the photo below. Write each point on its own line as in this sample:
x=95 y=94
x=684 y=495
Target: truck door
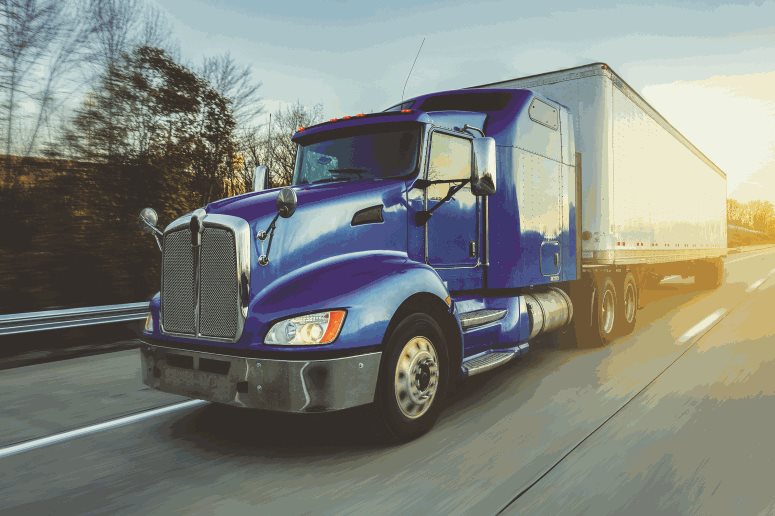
x=453 y=232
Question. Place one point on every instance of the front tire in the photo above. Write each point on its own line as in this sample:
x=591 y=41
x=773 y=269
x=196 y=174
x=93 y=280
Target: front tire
x=414 y=378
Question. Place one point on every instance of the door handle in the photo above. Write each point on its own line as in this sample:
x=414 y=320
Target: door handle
x=556 y=259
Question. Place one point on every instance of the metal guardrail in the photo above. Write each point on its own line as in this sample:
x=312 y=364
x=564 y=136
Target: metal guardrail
x=27 y=322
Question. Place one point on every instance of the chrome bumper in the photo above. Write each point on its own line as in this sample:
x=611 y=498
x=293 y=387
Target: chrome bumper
x=280 y=385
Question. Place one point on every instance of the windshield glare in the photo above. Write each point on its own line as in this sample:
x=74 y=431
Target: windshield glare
x=359 y=153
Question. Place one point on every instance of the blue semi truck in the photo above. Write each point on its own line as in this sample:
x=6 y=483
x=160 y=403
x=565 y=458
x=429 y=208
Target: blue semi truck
x=430 y=242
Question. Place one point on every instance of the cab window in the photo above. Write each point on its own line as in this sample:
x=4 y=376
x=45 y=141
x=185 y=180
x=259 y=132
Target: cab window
x=450 y=158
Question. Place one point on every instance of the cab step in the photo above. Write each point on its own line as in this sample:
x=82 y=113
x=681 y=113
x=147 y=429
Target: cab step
x=476 y=318
x=491 y=359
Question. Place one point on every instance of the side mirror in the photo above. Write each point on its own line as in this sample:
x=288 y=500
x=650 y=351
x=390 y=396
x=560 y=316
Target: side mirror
x=483 y=177
x=260 y=178
x=148 y=220
x=286 y=202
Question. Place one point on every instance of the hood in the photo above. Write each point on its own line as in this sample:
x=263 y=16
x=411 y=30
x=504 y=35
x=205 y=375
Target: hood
x=322 y=226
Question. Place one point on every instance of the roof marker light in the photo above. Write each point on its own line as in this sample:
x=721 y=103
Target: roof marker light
x=333 y=119
x=360 y=114
x=300 y=129
x=346 y=117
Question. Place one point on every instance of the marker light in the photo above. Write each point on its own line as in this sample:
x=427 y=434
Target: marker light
x=406 y=110
x=149 y=323
x=307 y=330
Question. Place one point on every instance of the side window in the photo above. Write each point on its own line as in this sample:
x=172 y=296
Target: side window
x=450 y=159
x=544 y=114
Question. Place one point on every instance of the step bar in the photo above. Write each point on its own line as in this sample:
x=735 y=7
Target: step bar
x=491 y=359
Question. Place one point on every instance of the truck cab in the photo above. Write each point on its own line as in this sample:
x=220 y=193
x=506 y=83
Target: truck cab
x=414 y=247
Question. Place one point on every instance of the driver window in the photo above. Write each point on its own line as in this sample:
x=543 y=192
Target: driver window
x=450 y=159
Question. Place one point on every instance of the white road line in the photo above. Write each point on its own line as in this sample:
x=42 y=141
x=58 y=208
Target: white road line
x=754 y=255
x=107 y=425
x=699 y=329
x=756 y=284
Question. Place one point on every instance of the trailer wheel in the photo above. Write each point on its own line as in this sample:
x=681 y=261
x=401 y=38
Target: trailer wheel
x=709 y=274
x=628 y=305
x=414 y=377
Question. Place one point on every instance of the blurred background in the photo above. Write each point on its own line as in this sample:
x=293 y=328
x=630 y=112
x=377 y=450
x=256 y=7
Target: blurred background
x=100 y=117
x=108 y=106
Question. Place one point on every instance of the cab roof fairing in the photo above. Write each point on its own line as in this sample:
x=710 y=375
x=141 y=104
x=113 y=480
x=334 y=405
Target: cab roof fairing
x=360 y=121
x=500 y=121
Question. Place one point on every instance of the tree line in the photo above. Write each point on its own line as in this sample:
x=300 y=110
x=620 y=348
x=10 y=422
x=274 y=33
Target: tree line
x=757 y=215
x=102 y=81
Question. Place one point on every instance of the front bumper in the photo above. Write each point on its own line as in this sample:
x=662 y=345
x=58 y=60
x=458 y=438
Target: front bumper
x=270 y=384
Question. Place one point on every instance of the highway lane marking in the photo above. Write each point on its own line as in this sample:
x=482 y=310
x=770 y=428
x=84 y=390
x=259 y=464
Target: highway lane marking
x=694 y=334
x=702 y=327
x=99 y=427
x=741 y=258
x=756 y=284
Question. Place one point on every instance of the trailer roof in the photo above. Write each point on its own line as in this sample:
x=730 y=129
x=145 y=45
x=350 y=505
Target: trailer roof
x=591 y=69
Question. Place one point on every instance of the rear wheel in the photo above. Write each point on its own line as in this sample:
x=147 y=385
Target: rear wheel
x=597 y=326
x=627 y=306
x=606 y=309
x=709 y=274
x=413 y=378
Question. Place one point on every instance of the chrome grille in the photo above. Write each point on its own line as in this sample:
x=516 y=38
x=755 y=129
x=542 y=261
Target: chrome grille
x=215 y=309
x=177 y=286
x=218 y=288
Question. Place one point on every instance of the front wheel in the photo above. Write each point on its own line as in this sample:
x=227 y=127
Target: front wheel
x=413 y=378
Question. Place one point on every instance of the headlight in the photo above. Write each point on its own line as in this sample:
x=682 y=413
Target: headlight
x=307 y=330
x=149 y=323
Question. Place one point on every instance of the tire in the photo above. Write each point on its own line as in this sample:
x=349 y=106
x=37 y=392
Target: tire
x=627 y=304
x=603 y=328
x=651 y=281
x=594 y=312
x=710 y=274
x=414 y=378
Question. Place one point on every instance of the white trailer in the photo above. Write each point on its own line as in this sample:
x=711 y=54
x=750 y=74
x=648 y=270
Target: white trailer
x=652 y=204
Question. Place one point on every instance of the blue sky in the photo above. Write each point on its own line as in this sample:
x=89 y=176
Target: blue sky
x=709 y=67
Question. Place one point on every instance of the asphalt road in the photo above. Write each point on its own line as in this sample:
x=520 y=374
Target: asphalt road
x=676 y=418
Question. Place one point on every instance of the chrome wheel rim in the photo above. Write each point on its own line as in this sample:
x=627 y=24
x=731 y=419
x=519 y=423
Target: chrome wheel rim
x=416 y=377
x=629 y=303
x=607 y=315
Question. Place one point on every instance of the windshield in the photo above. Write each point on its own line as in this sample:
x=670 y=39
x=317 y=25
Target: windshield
x=377 y=152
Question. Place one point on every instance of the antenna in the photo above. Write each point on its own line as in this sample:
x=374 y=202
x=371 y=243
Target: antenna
x=412 y=68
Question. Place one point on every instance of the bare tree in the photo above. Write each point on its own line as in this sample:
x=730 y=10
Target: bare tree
x=275 y=149
x=156 y=30
x=237 y=84
x=27 y=29
x=72 y=31
x=114 y=25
